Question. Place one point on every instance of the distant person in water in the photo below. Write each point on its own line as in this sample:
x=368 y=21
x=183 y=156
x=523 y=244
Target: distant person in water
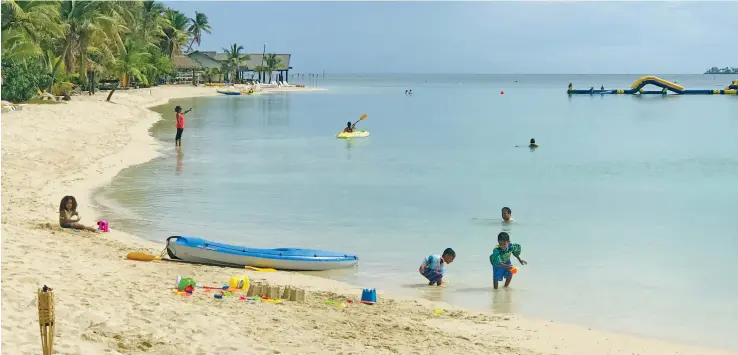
x=602 y=87
x=410 y=92
x=405 y=92
x=349 y=127
x=533 y=143
x=507 y=214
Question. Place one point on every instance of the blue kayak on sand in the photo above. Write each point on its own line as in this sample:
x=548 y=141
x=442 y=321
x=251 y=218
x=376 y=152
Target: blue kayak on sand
x=199 y=250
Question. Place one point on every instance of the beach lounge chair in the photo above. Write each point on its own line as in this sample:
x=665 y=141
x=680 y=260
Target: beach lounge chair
x=47 y=96
x=9 y=107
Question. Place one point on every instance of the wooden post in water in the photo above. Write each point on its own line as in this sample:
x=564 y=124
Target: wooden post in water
x=46 y=319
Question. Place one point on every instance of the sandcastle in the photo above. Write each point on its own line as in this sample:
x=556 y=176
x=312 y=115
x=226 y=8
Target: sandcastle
x=264 y=289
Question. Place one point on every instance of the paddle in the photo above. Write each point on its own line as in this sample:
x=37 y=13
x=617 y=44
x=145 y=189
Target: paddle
x=363 y=117
x=149 y=257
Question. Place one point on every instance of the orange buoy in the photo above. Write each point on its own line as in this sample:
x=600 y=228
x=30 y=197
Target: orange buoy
x=502 y=92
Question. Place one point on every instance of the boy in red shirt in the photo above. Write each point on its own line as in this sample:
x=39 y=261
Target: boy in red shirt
x=180 y=125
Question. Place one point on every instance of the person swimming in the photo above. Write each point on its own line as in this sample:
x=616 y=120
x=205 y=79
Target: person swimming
x=507 y=215
x=533 y=143
x=349 y=127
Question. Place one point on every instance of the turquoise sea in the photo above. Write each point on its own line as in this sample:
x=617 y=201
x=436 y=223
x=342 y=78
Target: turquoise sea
x=626 y=213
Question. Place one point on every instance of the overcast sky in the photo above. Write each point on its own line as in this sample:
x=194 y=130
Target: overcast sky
x=480 y=37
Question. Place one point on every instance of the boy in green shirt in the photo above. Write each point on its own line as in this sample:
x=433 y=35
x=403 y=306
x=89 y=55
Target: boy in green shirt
x=500 y=258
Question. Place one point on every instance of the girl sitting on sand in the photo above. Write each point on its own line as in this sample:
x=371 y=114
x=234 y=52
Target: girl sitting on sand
x=67 y=212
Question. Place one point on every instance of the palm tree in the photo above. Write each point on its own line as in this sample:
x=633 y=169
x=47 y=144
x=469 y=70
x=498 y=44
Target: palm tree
x=135 y=38
x=132 y=61
x=213 y=73
x=89 y=28
x=272 y=63
x=199 y=25
x=235 y=58
x=24 y=24
x=151 y=20
x=160 y=63
x=175 y=32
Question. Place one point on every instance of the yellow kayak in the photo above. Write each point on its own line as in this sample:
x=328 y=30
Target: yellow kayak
x=355 y=134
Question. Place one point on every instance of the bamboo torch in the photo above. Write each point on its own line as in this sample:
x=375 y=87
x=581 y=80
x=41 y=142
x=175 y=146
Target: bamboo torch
x=46 y=319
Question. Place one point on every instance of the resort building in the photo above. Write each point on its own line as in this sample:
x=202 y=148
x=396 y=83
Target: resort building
x=188 y=70
x=199 y=67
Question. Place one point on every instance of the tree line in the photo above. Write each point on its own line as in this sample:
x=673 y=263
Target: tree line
x=49 y=43
x=726 y=70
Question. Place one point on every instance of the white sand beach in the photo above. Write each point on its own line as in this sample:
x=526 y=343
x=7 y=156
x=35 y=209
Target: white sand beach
x=108 y=305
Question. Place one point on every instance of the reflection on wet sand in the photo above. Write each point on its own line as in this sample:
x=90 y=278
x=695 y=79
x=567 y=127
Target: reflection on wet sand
x=431 y=293
x=502 y=301
x=180 y=162
x=434 y=293
x=502 y=298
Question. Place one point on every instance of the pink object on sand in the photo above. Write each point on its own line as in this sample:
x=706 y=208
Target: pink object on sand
x=102 y=225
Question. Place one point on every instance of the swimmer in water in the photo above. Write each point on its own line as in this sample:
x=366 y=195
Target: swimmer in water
x=507 y=215
x=533 y=143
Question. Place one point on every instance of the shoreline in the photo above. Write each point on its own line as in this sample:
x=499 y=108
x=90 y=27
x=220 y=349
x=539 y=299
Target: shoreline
x=124 y=306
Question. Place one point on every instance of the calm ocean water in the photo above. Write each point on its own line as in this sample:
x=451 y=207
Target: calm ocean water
x=626 y=213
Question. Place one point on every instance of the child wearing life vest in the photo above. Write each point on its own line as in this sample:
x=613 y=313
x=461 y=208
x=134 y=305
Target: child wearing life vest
x=500 y=259
x=433 y=266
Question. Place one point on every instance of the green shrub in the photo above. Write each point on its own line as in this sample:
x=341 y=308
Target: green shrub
x=22 y=79
x=60 y=88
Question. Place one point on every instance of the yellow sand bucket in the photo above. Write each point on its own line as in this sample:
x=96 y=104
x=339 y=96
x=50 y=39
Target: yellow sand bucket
x=240 y=282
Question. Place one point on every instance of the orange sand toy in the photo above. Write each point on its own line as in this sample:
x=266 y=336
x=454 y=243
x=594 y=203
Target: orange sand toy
x=514 y=270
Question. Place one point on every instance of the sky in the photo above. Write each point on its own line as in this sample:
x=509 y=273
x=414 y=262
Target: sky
x=594 y=37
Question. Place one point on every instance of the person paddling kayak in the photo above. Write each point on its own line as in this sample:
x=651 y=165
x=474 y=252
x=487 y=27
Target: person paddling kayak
x=349 y=127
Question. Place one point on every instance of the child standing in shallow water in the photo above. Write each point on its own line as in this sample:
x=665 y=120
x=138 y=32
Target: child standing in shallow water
x=68 y=212
x=500 y=258
x=180 y=125
x=433 y=266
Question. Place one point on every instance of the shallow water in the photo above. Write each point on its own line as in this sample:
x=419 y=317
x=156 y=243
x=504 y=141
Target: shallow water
x=625 y=213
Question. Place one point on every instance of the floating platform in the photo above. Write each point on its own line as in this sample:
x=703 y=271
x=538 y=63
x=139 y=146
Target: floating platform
x=665 y=85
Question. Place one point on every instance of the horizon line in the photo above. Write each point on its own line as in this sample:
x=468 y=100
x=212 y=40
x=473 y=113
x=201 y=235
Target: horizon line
x=467 y=73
